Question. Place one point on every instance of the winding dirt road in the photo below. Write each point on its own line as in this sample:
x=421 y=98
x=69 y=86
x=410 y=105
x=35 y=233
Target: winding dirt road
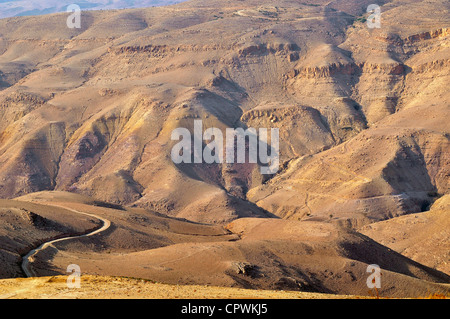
x=30 y=256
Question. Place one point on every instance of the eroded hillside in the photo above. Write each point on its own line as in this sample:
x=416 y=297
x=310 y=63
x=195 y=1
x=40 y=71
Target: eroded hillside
x=88 y=115
x=360 y=110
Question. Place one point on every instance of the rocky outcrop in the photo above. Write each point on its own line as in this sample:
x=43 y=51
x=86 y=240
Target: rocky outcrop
x=434 y=34
x=325 y=71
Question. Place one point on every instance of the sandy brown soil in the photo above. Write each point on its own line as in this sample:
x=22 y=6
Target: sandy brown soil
x=94 y=287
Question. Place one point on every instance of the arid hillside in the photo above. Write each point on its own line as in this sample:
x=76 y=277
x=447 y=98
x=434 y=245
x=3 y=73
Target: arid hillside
x=250 y=253
x=86 y=123
x=91 y=110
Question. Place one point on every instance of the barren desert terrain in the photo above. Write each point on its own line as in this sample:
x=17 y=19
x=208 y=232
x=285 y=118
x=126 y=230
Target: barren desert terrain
x=87 y=176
